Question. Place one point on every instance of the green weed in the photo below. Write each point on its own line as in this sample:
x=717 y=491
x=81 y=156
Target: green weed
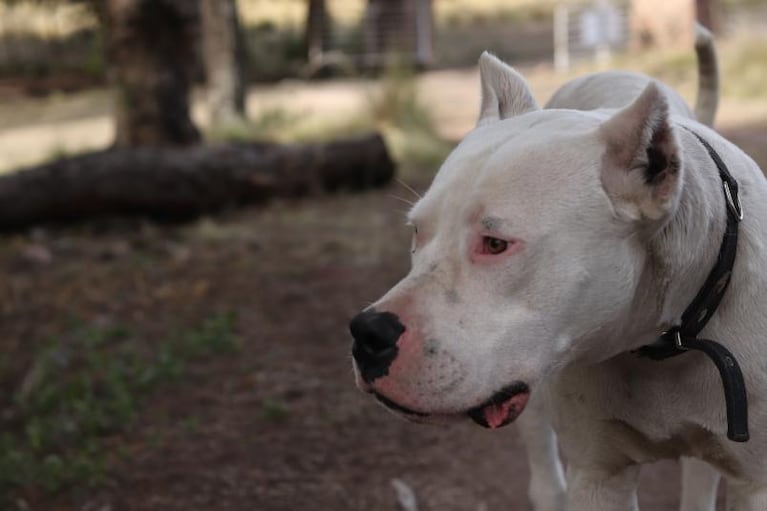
x=191 y=424
x=273 y=410
x=270 y=125
x=85 y=386
x=405 y=121
x=743 y=66
x=59 y=152
x=214 y=336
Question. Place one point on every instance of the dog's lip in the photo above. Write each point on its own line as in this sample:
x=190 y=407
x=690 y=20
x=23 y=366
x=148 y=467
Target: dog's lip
x=502 y=408
x=388 y=403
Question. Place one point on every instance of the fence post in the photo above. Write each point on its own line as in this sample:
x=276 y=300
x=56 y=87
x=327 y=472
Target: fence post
x=424 y=37
x=602 y=51
x=561 y=38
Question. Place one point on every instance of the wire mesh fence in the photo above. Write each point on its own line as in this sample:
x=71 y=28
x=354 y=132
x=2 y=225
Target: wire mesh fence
x=589 y=31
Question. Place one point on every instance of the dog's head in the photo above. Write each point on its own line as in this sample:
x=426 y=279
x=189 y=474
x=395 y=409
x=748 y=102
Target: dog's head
x=527 y=249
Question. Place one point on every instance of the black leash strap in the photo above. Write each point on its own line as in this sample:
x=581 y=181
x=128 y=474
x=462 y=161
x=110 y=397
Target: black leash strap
x=734 y=386
x=684 y=337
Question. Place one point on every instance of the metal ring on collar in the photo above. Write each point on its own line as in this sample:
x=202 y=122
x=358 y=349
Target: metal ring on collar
x=733 y=202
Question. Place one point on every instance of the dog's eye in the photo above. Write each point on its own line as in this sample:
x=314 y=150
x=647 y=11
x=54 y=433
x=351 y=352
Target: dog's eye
x=494 y=246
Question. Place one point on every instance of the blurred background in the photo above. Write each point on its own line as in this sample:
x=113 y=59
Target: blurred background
x=196 y=195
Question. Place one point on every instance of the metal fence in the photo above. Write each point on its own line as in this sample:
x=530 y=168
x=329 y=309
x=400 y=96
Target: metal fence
x=589 y=31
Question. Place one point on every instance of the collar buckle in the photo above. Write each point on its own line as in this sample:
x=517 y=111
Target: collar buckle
x=677 y=339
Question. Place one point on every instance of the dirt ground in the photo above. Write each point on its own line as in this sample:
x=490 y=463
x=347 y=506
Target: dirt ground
x=278 y=425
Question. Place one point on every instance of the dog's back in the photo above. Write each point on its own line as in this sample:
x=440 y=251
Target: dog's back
x=616 y=89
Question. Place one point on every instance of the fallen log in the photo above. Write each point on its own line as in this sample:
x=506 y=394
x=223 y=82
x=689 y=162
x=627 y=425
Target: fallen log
x=181 y=183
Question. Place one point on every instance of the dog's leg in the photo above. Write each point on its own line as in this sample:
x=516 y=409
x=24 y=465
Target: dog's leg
x=745 y=497
x=547 y=480
x=699 y=483
x=599 y=490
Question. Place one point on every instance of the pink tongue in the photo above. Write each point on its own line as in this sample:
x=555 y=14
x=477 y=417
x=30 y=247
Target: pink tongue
x=498 y=414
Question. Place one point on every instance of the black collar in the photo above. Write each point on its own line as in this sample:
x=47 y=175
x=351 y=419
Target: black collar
x=683 y=337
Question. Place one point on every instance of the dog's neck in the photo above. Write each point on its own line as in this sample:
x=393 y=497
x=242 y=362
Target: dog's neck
x=679 y=256
x=688 y=246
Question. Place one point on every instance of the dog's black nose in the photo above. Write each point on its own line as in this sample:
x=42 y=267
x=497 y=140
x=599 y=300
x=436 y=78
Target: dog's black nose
x=375 y=342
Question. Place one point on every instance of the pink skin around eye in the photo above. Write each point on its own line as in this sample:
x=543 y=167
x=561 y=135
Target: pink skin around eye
x=479 y=249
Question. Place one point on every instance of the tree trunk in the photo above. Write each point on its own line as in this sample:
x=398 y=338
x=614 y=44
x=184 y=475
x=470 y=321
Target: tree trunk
x=224 y=55
x=180 y=183
x=316 y=25
x=151 y=46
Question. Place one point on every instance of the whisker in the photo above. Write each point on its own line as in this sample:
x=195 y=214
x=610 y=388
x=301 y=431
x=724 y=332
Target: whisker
x=402 y=199
x=408 y=187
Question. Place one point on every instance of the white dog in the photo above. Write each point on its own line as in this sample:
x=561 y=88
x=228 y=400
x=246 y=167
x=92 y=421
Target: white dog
x=552 y=245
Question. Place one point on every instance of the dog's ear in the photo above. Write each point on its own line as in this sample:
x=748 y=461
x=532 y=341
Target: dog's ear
x=504 y=92
x=641 y=170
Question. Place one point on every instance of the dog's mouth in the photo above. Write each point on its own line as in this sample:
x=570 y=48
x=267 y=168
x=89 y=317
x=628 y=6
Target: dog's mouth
x=503 y=407
x=500 y=409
